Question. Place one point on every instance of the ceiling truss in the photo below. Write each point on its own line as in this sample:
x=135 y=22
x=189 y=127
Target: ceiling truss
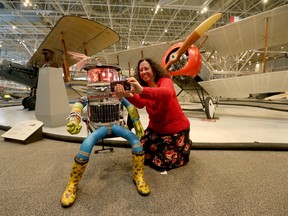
x=137 y=22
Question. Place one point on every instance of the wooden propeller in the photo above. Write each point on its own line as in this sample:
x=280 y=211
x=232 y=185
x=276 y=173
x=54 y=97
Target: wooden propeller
x=192 y=38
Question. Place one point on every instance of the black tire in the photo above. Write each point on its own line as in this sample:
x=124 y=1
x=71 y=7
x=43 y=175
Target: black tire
x=209 y=108
x=24 y=102
x=31 y=103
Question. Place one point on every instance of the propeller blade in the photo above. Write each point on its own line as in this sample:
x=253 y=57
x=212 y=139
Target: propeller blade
x=193 y=37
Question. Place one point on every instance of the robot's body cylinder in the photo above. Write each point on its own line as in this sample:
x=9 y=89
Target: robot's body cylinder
x=102 y=108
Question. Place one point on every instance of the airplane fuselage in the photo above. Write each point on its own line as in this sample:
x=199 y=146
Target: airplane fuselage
x=25 y=75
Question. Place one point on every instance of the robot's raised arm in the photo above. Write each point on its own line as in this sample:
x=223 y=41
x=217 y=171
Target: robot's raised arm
x=75 y=115
x=77 y=108
x=134 y=117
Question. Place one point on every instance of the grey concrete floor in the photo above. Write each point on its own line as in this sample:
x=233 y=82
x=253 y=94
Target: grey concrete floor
x=33 y=177
x=214 y=182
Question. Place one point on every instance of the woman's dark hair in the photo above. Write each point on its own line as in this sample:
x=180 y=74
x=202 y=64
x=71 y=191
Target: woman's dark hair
x=156 y=68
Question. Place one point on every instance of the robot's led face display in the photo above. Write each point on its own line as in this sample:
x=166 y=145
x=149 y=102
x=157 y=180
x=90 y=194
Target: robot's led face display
x=102 y=75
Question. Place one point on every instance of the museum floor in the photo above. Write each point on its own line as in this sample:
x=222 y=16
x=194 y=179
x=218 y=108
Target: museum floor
x=238 y=166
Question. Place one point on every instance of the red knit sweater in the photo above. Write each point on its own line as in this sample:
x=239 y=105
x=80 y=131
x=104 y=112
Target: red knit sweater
x=164 y=111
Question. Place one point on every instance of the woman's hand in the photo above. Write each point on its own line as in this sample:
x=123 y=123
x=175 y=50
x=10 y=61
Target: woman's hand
x=120 y=91
x=136 y=87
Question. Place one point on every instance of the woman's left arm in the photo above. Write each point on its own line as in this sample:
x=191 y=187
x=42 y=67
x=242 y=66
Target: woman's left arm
x=164 y=90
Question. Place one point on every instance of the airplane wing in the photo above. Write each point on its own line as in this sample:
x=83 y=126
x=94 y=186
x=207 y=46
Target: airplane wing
x=243 y=86
x=246 y=34
x=129 y=58
x=79 y=34
x=132 y=56
x=249 y=33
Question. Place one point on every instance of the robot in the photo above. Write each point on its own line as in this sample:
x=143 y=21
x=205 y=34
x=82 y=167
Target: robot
x=105 y=117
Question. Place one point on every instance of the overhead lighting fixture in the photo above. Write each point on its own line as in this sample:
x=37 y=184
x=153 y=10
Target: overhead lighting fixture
x=204 y=10
x=27 y=3
x=157 y=8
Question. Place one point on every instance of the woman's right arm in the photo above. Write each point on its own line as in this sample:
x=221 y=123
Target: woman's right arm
x=137 y=101
x=130 y=96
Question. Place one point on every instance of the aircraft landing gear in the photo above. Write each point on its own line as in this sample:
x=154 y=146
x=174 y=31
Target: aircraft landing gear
x=24 y=101
x=207 y=103
x=209 y=108
x=29 y=102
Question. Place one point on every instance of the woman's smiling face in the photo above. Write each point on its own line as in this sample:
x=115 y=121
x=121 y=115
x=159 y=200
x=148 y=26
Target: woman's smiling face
x=146 y=72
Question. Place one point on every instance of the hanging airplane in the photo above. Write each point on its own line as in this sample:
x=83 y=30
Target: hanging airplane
x=71 y=33
x=184 y=60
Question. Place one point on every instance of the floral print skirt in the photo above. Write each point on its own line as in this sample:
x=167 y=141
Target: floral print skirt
x=164 y=152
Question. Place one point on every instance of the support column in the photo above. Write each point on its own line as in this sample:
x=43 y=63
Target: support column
x=52 y=105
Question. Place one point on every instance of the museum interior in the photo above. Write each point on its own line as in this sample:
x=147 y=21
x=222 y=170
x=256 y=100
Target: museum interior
x=228 y=61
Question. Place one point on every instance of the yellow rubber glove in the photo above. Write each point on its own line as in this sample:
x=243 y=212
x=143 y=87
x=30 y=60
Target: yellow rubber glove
x=135 y=118
x=73 y=127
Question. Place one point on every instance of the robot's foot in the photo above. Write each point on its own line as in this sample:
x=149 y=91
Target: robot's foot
x=142 y=188
x=137 y=167
x=68 y=197
x=69 y=194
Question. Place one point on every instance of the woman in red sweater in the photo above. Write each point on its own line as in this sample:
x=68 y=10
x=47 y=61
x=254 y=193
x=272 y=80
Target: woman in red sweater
x=166 y=140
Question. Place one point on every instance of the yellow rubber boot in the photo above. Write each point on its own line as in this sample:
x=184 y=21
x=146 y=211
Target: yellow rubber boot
x=69 y=194
x=137 y=168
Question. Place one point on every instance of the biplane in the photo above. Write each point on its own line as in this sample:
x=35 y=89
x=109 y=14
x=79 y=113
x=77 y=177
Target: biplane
x=70 y=33
x=255 y=34
x=261 y=31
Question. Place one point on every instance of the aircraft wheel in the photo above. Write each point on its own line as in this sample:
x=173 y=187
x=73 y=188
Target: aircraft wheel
x=209 y=108
x=31 y=102
x=24 y=102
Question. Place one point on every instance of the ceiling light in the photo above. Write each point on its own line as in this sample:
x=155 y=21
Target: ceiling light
x=26 y=3
x=204 y=10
